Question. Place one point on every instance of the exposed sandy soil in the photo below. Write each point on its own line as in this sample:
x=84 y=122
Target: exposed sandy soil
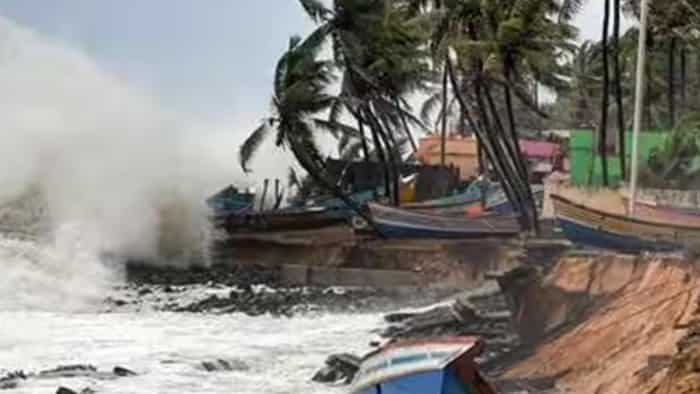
x=610 y=324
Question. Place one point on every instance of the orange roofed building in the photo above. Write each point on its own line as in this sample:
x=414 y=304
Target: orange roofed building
x=460 y=152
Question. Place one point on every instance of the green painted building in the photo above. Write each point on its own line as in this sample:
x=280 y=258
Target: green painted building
x=581 y=157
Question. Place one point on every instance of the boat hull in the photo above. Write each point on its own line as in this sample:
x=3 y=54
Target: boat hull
x=588 y=226
x=400 y=223
x=433 y=366
x=581 y=234
x=665 y=214
x=280 y=221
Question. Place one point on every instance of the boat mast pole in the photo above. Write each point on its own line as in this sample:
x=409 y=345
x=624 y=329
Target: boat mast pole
x=638 y=103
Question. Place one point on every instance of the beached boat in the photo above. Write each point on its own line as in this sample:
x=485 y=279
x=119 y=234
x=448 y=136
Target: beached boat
x=589 y=226
x=665 y=214
x=231 y=200
x=402 y=223
x=468 y=209
x=498 y=201
x=281 y=220
x=436 y=366
x=467 y=203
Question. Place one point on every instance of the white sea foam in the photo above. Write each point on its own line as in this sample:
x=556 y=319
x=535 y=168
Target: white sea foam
x=166 y=349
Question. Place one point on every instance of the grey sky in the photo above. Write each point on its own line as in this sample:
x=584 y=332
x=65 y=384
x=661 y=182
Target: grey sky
x=204 y=58
x=210 y=61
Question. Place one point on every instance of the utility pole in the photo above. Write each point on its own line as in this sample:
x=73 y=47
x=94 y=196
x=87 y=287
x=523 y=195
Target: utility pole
x=638 y=103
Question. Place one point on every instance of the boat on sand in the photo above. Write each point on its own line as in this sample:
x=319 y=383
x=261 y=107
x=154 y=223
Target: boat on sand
x=400 y=223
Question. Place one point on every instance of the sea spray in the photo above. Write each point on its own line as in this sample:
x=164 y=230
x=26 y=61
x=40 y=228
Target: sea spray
x=104 y=156
x=63 y=275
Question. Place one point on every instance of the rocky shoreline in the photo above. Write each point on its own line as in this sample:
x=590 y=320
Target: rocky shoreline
x=256 y=290
x=253 y=290
x=12 y=380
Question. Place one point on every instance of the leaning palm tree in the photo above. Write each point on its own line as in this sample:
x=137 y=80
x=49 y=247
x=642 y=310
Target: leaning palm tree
x=299 y=96
x=381 y=61
x=298 y=103
x=504 y=44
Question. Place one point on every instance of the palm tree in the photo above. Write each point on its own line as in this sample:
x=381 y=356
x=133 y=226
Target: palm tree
x=381 y=59
x=300 y=97
x=498 y=44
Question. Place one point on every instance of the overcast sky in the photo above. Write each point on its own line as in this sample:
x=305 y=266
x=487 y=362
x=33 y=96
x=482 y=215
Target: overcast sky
x=204 y=58
x=210 y=61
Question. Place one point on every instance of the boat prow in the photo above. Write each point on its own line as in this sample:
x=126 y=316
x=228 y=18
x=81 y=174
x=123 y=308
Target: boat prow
x=435 y=366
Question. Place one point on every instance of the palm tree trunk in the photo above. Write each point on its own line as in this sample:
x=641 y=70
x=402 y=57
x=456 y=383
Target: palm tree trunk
x=671 y=83
x=684 y=79
x=510 y=178
x=443 y=133
x=318 y=177
x=389 y=141
x=603 y=128
x=407 y=129
x=618 y=91
x=266 y=183
x=379 y=149
x=363 y=139
x=647 y=99
x=518 y=151
x=512 y=158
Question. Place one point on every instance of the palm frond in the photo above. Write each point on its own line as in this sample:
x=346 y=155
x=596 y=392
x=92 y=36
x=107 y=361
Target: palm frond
x=337 y=129
x=315 y=9
x=251 y=145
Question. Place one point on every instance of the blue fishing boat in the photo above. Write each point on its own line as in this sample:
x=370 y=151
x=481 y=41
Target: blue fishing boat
x=466 y=203
x=436 y=366
x=471 y=194
x=400 y=223
x=592 y=227
x=230 y=200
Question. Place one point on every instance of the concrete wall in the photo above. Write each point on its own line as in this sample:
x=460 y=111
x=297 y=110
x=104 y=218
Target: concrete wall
x=385 y=263
x=307 y=275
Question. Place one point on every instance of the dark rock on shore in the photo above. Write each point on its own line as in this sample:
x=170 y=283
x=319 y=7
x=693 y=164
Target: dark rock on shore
x=218 y=274
x=12 y=380
x=65 y=390
x=250 y=289
x=339 y=367
x=69 y=371
x=224 y=365
x=123 y=372
x=287 y=301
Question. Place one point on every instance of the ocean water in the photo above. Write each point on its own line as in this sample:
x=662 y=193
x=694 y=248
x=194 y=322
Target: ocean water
x=52 y=313
x=166 y=350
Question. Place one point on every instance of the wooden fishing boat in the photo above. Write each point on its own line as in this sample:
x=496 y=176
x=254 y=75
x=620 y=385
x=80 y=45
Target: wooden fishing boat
x=434 y=366
x=498 y=201
x=469 y=209
x=467 y=203
x=401 y=223
x=281 y=220
x=665 y=214
x=469 y=196
x=589 y=226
